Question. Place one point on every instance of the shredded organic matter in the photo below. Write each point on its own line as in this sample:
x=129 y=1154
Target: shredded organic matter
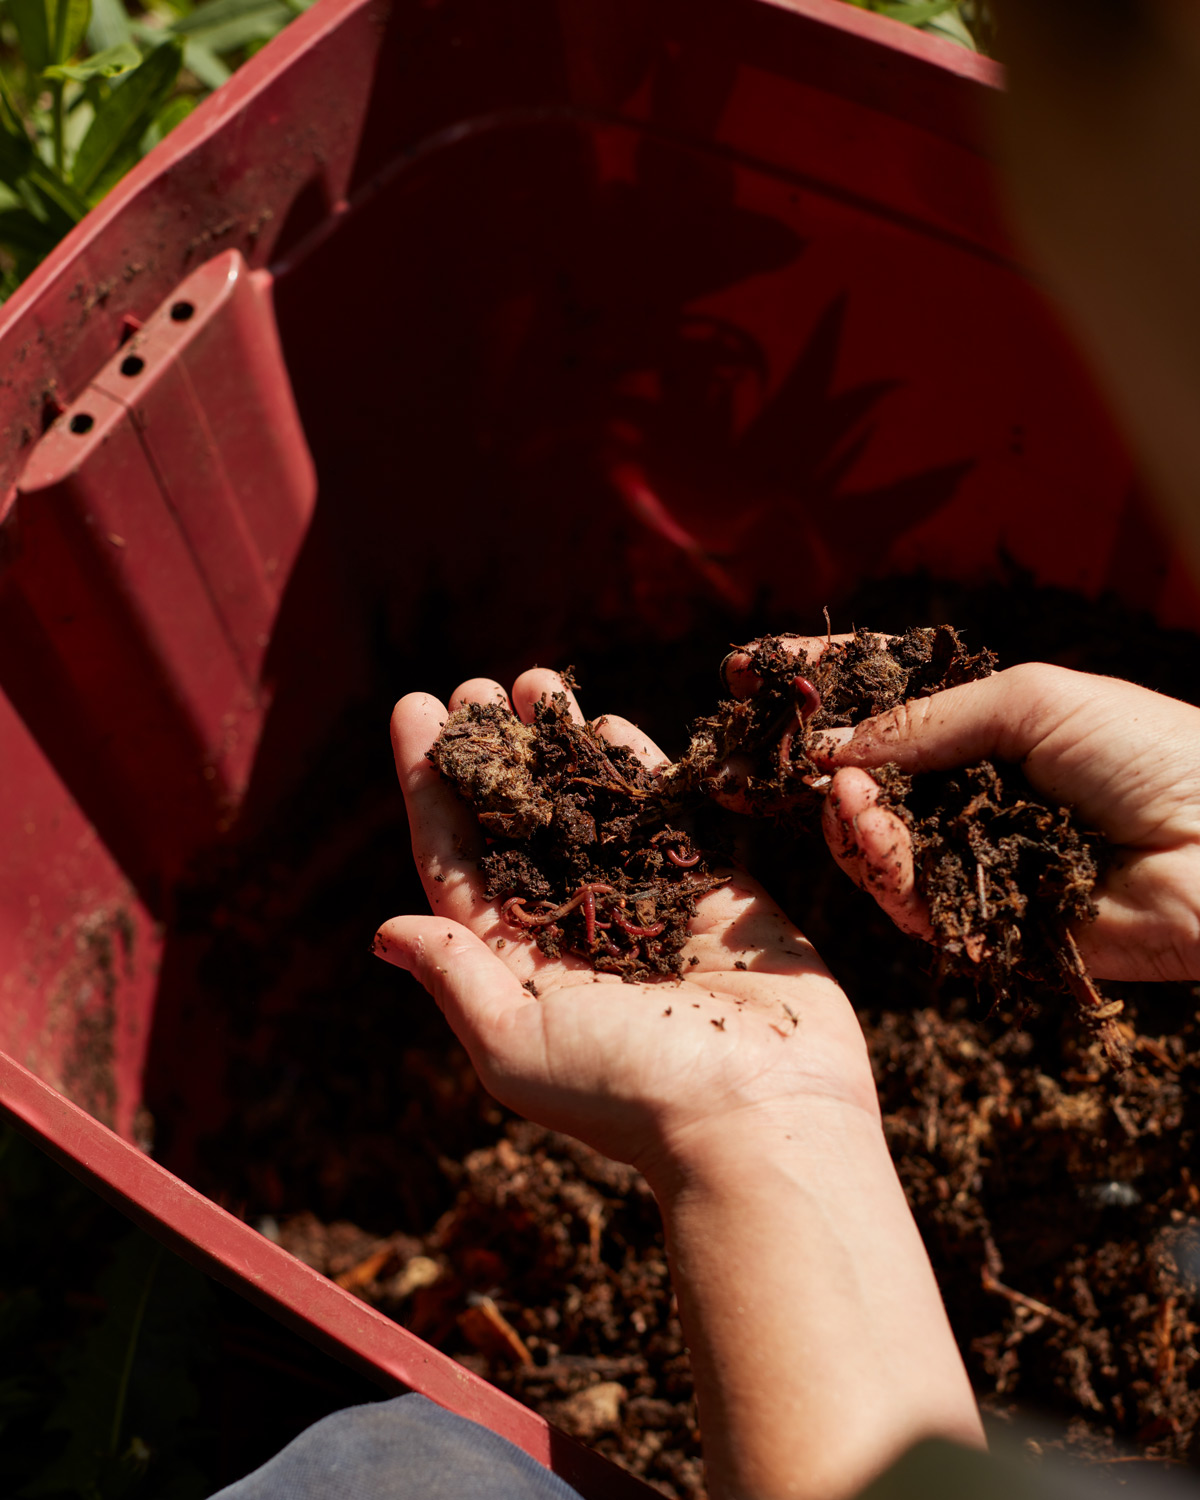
x=582 y=859
x=585 y=857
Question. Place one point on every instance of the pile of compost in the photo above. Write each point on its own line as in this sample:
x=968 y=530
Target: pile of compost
x=1053 y=1190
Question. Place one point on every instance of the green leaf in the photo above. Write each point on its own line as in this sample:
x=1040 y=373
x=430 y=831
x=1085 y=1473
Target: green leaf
x=16 y=154
x=60 y=192
x=171 y=114
x=261 y=24
x=71 y=19
x=33 y=20
x=109 y=25
x=218 y=12
x=953 y=26
x=110 y=147
x=916 y=14
x=110 y=63
x=204 y=65
x=21 y=167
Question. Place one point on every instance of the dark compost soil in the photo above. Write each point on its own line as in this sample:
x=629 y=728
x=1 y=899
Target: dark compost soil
x=1055 y=1193
x=581 y=828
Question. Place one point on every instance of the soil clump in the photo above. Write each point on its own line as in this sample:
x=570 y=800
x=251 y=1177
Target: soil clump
x=582 y=828
x=579 y=826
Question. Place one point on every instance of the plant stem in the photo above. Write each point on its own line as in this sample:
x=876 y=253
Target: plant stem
x=59 y=52
x=10 y=104
x=59 y=151
x=131 y=1351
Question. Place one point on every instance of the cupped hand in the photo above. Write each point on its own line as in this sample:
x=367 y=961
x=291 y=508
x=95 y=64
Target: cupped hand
x=636 y=1070
x=1127 y=760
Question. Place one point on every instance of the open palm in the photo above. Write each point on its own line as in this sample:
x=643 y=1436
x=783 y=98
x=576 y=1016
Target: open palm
x=630 y=1068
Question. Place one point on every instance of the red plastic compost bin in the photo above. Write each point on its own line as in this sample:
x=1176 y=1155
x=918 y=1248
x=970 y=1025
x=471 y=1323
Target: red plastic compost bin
x=474 y=326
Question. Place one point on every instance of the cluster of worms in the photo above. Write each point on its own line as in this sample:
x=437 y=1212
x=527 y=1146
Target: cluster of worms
x=585 y=899
x=582 y=857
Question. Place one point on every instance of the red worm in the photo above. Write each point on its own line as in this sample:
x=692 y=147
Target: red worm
x=589 y=914
x=678 y=859
x=808 y=701
x=514 y=911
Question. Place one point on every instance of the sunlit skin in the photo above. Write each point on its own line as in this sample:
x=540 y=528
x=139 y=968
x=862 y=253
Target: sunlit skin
x=1125 y=759
x=819 y=1343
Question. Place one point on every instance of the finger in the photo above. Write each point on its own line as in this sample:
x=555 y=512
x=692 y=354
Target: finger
x=446 y=839
x=479 y=690
x=1005 y=716
x=486 y=1005
x=536 y=685
x=742 y=681
x=873 y=846
x=619 y=731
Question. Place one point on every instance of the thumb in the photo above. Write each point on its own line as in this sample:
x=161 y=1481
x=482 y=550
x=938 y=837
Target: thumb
x=996 y=717
x=873 y=846
x=486 y=1005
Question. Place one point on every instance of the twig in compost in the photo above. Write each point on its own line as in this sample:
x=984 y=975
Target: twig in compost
x=991 y=1283
x=1099 y=1013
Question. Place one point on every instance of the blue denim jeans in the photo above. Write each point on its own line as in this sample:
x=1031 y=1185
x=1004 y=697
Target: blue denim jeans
x=404 y=1449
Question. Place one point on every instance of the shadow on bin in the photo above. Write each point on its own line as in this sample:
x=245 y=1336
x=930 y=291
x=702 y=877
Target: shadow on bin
x=521 y=332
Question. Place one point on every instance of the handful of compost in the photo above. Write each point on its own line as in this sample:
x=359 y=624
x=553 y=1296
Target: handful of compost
x=583 y=856
x=588 y=856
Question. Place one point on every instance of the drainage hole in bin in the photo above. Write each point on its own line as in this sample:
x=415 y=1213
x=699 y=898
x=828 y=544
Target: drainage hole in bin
x=132 y=364
x=181 y=311
x=82 y=421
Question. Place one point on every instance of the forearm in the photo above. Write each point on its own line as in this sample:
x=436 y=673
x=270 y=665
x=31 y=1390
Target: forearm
x=819 y=1342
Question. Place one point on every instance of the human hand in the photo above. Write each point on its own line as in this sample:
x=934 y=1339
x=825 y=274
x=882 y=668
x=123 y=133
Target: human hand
x=743 y=1093
x=1125 y=759
x=642 y=1072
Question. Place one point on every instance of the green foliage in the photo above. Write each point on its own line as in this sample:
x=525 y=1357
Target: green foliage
x=967 y=22
x=113 y=140
x=110 y=63
x=87 y=88
x=102 y=1336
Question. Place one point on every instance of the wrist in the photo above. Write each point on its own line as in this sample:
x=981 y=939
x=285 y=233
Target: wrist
x=739 y=1152
x=819 y=1342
